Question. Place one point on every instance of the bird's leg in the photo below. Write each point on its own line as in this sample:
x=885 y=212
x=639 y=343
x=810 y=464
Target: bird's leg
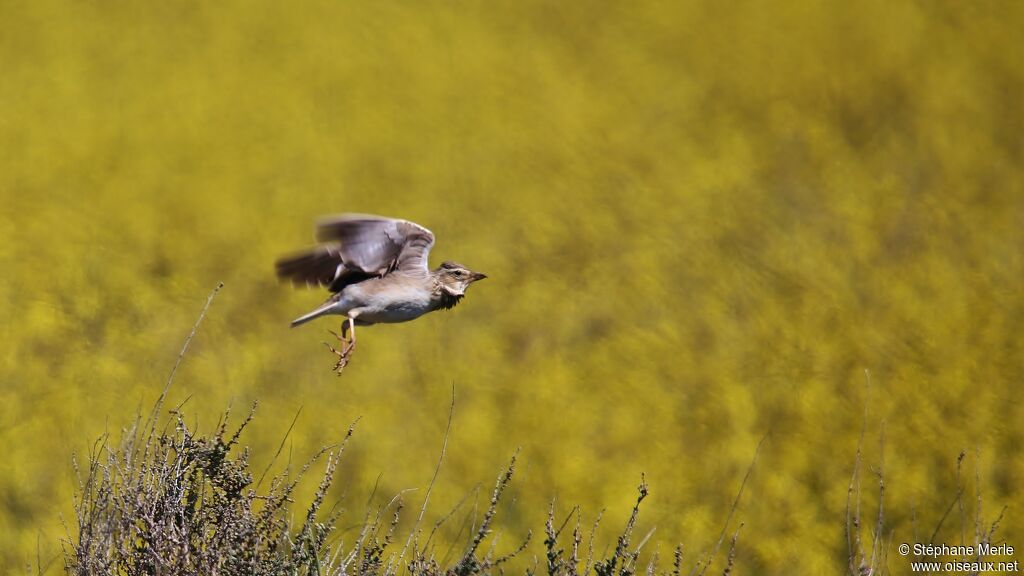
x=347 y=344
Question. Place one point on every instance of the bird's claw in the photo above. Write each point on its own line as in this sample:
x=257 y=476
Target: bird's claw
x=344 y=354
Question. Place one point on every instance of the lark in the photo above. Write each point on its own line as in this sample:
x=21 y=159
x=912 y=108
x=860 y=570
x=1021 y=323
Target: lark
x=377 y=271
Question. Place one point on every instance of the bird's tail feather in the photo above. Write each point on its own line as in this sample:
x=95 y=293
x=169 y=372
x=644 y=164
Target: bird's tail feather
x=325 y=309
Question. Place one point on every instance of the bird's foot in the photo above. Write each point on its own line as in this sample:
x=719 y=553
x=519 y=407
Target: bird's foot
x=344 y=354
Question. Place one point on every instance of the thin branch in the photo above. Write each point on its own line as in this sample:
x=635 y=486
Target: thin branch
x=731 y=558
x=949 y=509
x=853 y=524
x=977 y=494
x=430 y=487
x=959 y=497
x=875 y=540
x=735 y=504
x=443 y=519
x=279 y=448
x=590 y=543
x=181 y=355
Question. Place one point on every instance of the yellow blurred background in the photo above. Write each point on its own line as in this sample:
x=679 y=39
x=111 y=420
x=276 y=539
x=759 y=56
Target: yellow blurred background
x=701 y=223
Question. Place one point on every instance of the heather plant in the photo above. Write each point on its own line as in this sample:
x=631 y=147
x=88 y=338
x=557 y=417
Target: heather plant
x=175 y=501
x=172 y=500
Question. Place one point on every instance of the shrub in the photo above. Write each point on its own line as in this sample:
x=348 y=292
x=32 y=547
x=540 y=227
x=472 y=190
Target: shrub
x=177 y=502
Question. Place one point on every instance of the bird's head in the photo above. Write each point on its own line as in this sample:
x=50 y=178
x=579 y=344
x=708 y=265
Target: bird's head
x=454 y=278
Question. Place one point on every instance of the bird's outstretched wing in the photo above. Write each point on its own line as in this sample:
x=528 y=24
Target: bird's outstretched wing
x=355 y=247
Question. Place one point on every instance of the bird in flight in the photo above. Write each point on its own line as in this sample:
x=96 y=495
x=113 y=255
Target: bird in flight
x=376 y=269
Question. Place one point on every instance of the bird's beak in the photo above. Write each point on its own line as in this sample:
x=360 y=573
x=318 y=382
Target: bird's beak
x=478 y=276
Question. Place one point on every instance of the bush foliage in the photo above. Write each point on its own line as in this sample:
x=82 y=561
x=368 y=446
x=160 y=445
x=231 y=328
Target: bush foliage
x=174 y=502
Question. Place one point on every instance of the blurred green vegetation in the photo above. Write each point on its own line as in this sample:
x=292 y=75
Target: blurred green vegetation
x=701 y=222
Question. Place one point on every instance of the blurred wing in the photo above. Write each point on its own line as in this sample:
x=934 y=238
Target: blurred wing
x=378 y=245
x=356 y=247
x=321 y=266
